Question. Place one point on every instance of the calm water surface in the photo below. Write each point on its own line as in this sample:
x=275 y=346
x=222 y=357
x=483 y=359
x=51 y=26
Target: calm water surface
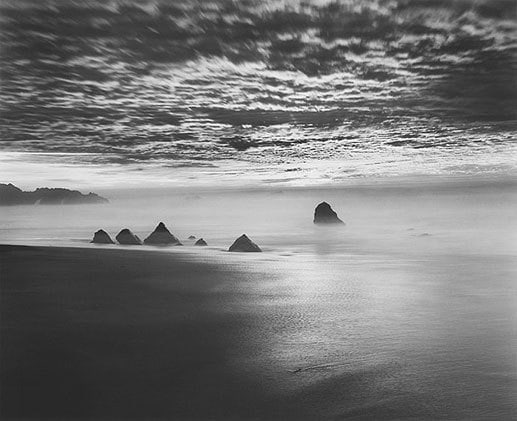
x=409 y=311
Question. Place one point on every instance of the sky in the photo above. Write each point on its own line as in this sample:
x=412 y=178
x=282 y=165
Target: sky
x=301 y=92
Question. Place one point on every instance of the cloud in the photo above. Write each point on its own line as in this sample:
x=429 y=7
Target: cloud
x=198 y=80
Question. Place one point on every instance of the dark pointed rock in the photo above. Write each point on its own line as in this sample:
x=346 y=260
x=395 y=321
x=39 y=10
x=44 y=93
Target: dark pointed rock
x=324 y=214
x=200 y=242
x=102 y=237
x=126 y=237
x=244 y=244
x=192 y=237
x=161 y=236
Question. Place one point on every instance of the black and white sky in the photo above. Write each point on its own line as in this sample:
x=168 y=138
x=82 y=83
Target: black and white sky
x=293 y=89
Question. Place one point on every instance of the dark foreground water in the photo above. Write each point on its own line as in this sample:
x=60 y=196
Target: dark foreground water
x=127 y=334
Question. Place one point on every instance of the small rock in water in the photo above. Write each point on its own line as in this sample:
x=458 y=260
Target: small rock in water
x=324 y=214
x=192 y=237
x=161 y=236
x=200 y=242
x=126 y=237
x=244 y=244
x=102 y=237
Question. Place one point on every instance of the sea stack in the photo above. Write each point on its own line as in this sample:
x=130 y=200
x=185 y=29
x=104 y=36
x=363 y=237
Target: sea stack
x=324 y=214
x=126 y=237
x=200 y=242
x=161 y=236
x=102 y=237
x=244 y=244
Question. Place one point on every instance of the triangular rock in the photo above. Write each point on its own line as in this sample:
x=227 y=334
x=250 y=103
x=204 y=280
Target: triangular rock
x=324 y=214
x=128 y=238
x=102 y=237
x=192 y=237
x=243 y=243
x=161 y=235
x=200 y=242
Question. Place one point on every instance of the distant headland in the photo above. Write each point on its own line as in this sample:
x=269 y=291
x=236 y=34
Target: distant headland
x=10 y=195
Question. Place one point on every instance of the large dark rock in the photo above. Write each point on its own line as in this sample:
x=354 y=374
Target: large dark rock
x=11 y=195
x=102 y=237
x=200 y=242
x=324 y=214
x=161 y=236
x=244 y=244
x=126 y=237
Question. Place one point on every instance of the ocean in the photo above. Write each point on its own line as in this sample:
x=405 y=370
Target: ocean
x=407 y=311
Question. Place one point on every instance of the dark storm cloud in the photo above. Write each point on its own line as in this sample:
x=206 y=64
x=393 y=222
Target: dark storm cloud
x=194 y=79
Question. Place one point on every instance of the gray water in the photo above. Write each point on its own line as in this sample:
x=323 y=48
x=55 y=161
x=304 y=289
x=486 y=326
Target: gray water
x=408 y=311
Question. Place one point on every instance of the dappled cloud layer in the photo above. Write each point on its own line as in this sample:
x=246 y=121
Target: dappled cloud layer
x=192 y=82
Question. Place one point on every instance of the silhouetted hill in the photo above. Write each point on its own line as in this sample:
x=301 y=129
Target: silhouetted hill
x=11 y=195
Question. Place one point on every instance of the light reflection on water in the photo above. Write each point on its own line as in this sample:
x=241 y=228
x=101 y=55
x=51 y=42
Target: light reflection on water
x=372 y=319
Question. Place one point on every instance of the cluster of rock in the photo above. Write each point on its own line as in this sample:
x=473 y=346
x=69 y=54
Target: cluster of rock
x=160 y=236
x=10 y=195
x=199 y=241
x=323 y=214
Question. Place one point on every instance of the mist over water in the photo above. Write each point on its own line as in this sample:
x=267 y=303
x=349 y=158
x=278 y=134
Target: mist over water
x=406 y=311
x=281 y=219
